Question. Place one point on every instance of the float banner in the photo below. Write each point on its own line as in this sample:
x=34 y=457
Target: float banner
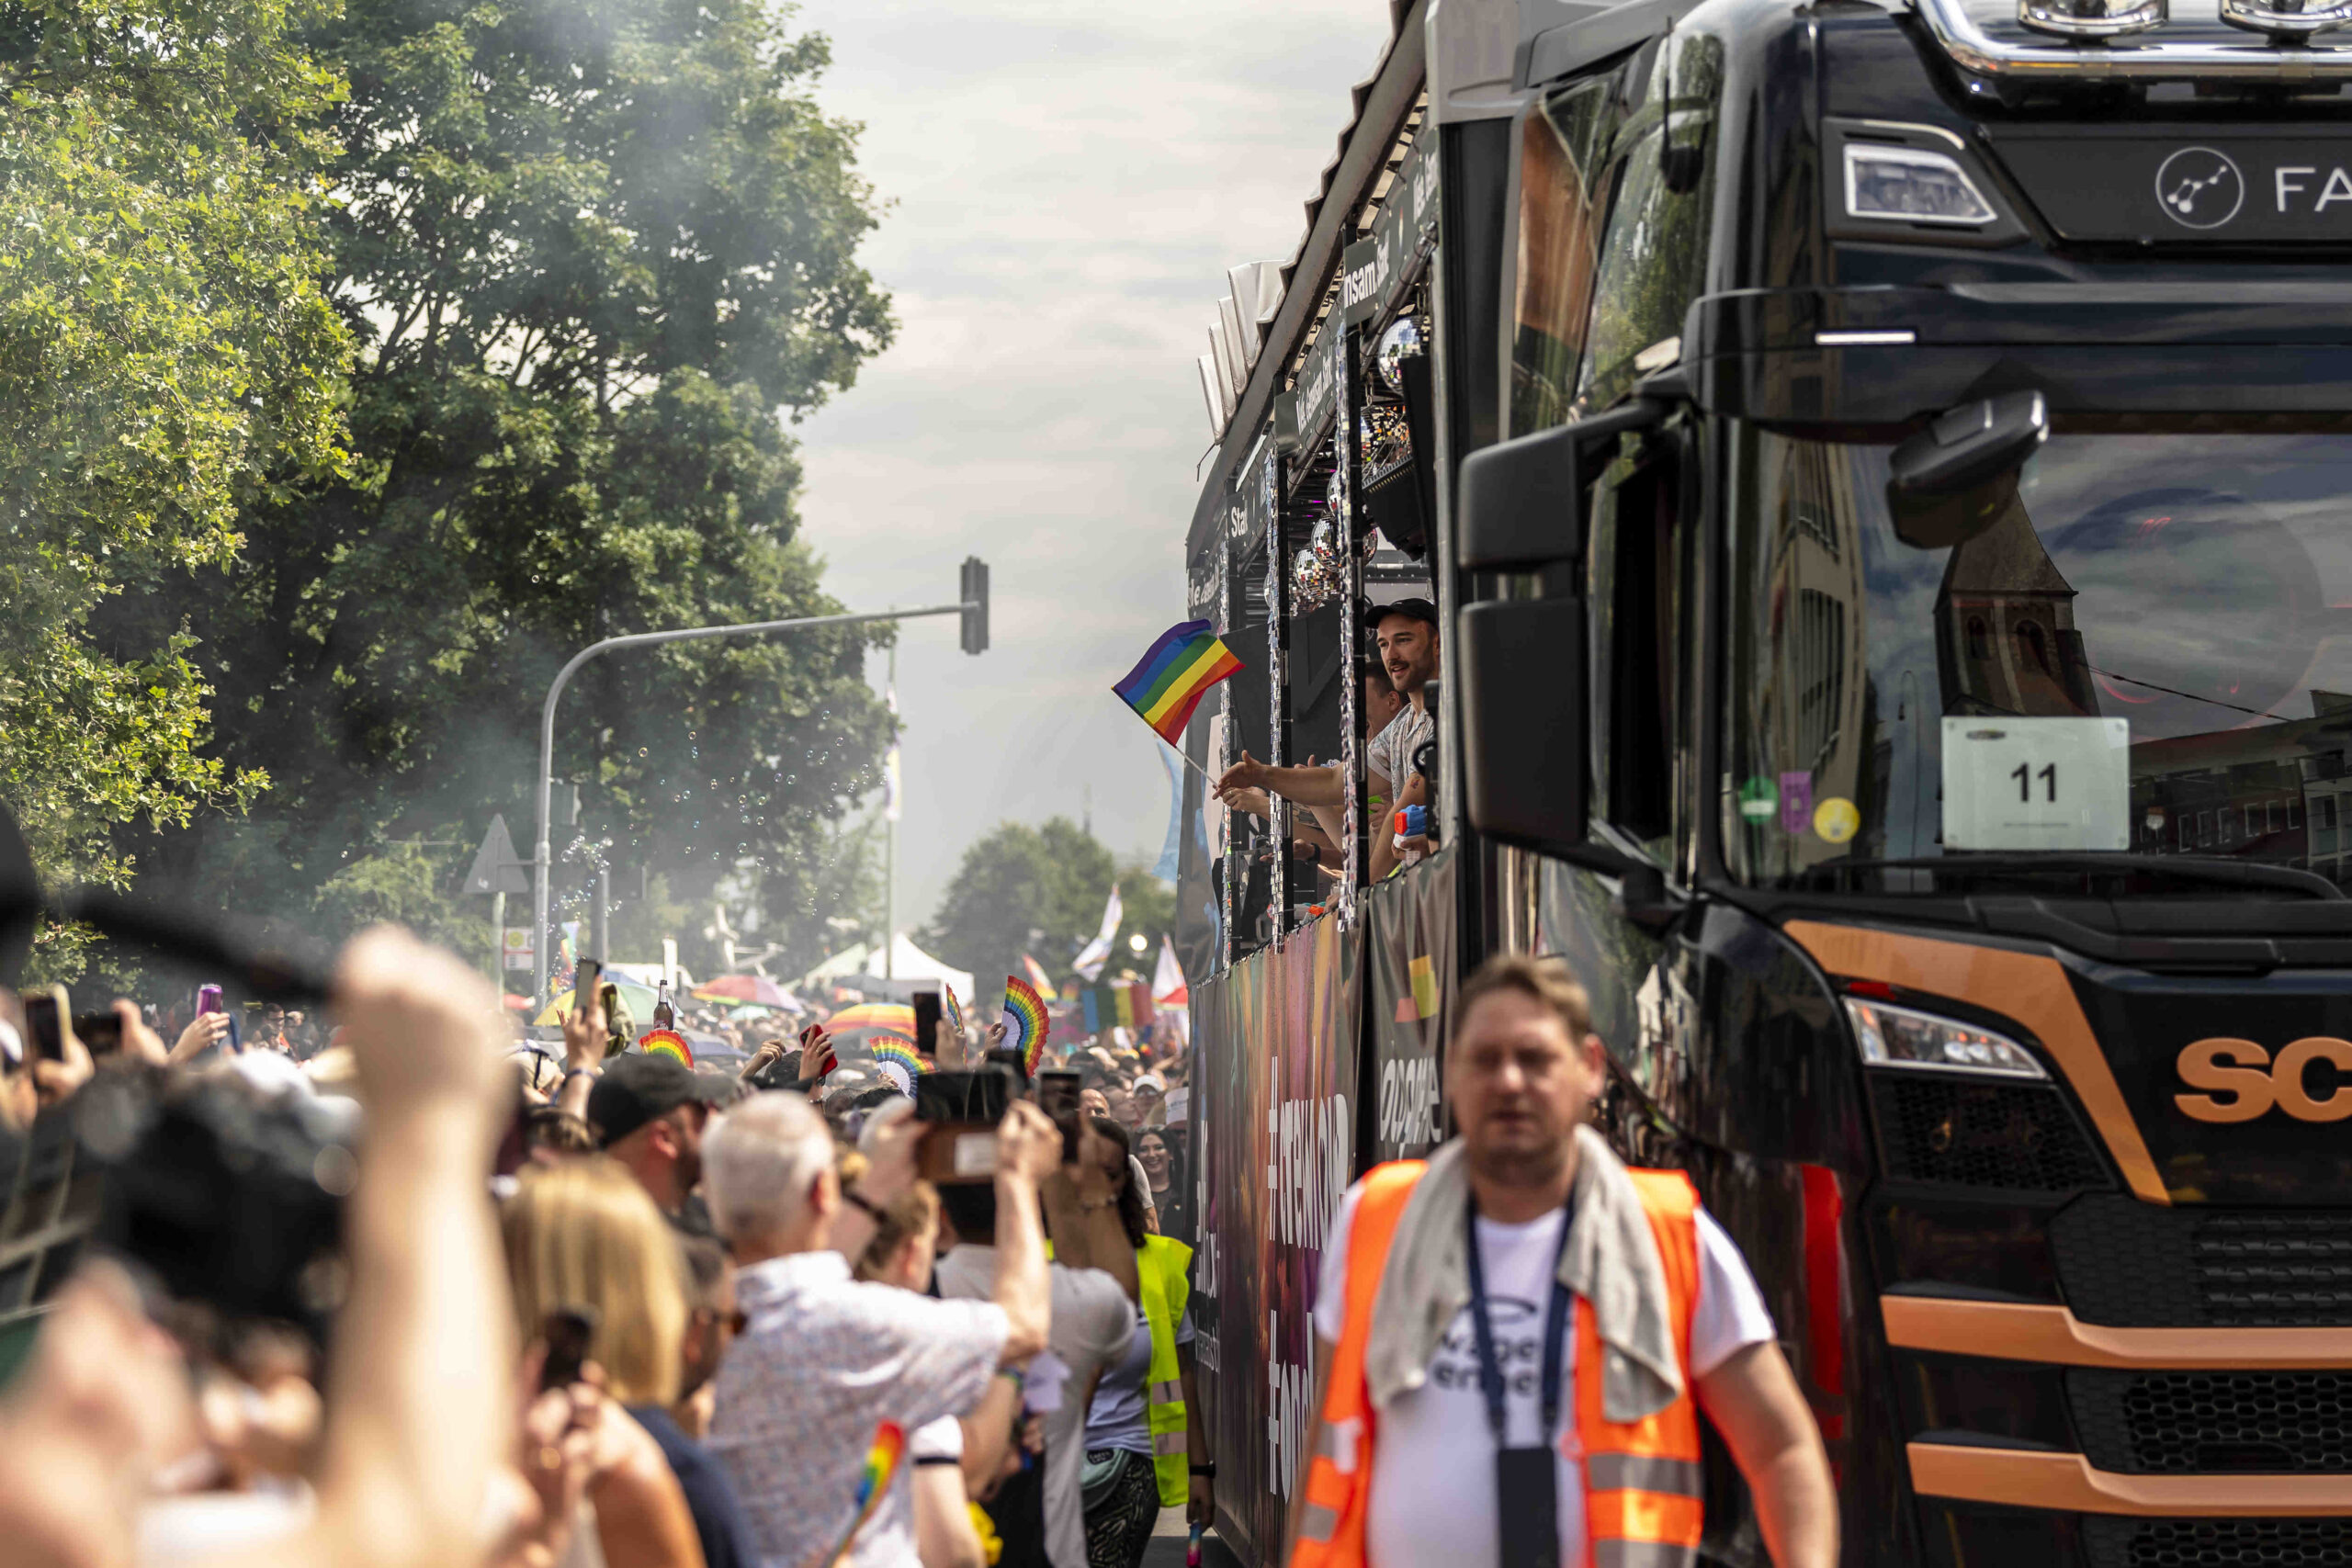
x=1273 y=1128
x=1319 y=383
x=1370 y=270
x=1408 y=1005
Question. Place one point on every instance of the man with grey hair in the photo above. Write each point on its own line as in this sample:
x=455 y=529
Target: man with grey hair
x=823 y=1359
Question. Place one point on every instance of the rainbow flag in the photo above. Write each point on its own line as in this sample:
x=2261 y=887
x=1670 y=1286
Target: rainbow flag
x=1036 y=972
x=1171 y=679
x=881 y=1468
x=952 y=1010
x=1024 y=1022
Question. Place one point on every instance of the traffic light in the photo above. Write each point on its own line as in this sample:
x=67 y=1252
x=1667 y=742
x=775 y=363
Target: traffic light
x=976 y=605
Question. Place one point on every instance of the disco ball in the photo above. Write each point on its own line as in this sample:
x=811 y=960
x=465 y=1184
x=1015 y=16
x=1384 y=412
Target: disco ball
x=1401 y=342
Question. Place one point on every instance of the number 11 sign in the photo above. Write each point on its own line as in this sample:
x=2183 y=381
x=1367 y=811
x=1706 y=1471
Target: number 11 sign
x=2037 y=783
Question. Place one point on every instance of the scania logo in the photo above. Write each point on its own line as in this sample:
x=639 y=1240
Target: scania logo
x=2243 y=1080
x=2199 y=189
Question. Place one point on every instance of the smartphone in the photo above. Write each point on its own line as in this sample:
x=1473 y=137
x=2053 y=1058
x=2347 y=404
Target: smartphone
x=584 y=985
x=1057 y=1094
x=962 y=1110
x=100 y=1032
x=826 y=1063
x=207 y=1000
x=927 y=1022
x=45 y=1015
x=567 y=1334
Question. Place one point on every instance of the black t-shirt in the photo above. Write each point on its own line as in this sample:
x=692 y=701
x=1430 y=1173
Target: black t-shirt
x=711 y=1497
x=1018 y=1511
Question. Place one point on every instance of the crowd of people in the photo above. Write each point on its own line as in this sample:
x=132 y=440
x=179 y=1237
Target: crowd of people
x=712 y=1292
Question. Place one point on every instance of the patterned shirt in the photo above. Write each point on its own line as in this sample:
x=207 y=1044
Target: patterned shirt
x=1390 y=754
x=822 y=1360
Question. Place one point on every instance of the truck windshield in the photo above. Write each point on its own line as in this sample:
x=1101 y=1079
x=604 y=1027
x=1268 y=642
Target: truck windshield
x=2145 y=651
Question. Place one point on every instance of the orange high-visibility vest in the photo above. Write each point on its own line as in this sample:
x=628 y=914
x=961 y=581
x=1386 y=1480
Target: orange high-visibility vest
x=1641 y=1480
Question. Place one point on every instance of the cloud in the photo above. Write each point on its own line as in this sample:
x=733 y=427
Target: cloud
x=1069 y=184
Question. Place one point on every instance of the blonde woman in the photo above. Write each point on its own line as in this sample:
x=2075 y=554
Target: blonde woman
x=582 y=1236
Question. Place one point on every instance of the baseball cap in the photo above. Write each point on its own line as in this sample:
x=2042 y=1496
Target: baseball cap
x=1415 y=609
x=638 y=1088
x=1150 y=1081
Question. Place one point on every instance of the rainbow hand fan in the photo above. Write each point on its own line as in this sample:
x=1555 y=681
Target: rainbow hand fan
x=666 y=1043
x=889 y=1054
x=873 y=1483
x=1024 y=1022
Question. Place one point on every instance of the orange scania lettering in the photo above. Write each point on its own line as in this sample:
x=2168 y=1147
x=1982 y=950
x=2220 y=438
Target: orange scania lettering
x=2242 y=1082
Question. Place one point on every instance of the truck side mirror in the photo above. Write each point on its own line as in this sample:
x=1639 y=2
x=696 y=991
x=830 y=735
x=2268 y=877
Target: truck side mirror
x=1952 y=480
x=1521 y=685
x=1522 y=502
x=1519 y=663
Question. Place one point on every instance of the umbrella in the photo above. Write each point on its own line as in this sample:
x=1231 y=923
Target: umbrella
x=637 y=999
x=896 y=1016
x=744 y=988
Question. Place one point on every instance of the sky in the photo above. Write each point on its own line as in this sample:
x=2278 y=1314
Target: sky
x=1068 y=184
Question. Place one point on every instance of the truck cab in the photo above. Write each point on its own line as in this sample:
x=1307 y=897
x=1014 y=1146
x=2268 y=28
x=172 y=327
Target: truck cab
x=1904 y=658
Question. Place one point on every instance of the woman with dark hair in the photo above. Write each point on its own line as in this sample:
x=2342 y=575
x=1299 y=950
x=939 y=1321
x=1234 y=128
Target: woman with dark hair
x=1160 y=1152
x=1143 y=1453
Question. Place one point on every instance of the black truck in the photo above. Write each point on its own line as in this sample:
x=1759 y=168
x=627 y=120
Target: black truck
x=1884 y=472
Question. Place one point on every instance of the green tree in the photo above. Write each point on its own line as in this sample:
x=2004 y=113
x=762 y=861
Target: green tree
x=594 y=253
x=170 y=354
x=834 y=901
x=1051 y=880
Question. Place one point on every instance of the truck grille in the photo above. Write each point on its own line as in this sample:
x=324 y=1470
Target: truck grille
x=2245 y=1423
x=2112 y=1542
x=1953 y=1132
x=2136 y=1265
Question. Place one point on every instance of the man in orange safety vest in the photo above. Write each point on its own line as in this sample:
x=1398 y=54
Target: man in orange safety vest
x=1522 y=1273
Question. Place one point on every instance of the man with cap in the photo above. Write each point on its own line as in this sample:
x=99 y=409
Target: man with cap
x=1148 y=1095
x=649 y=1110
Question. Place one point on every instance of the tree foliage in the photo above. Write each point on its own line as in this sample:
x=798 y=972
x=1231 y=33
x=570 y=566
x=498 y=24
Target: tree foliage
x=593 y=254
x=170 y=356
x=1050 y=881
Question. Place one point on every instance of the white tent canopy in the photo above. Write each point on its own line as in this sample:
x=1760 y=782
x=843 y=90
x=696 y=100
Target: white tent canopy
x=908 y=962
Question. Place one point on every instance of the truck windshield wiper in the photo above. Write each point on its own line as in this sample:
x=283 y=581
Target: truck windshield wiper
x=2183 y=868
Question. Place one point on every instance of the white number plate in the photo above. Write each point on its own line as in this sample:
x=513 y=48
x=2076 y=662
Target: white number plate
x=2037 y=783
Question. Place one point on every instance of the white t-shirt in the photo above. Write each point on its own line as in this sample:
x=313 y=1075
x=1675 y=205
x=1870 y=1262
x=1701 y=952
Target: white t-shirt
x=1093 y=1322
x=941 y=1442
x=1434 y=1467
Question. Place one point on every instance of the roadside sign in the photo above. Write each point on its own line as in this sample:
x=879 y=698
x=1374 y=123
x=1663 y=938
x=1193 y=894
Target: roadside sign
x=496 y=868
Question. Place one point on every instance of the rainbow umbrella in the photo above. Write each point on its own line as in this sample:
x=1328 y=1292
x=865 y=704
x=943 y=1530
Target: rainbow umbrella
x=897 y=1017
x=743 y=988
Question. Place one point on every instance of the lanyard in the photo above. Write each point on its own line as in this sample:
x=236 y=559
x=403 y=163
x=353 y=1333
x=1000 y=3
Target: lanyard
x=1556 y=1323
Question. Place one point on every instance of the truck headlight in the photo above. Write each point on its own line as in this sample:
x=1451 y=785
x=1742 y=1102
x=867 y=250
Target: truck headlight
x=1911 y=185
x=1898 y=1037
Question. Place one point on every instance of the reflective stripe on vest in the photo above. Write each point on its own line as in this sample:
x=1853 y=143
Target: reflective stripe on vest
x=1643 y=1479
x=1161 y=1265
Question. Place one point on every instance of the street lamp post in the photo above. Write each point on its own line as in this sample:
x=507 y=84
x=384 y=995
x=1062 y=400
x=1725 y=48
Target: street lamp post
x=974 y=608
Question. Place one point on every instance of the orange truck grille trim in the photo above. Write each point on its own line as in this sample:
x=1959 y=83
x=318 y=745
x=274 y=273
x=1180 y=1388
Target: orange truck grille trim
x=2029 y=987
